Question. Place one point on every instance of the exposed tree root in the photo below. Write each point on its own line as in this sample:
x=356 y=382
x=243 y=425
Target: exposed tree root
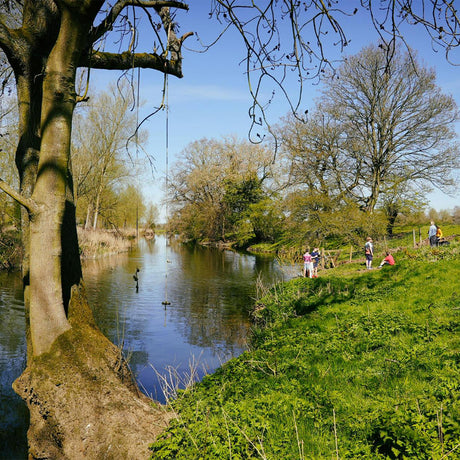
x=83 y=403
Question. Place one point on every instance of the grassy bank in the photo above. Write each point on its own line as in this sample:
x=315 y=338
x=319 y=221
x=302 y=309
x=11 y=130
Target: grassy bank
x=99 y=243
x=354 y=364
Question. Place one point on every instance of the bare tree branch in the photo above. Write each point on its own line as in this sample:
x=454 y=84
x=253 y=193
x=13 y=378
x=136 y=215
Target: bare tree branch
x=127 y=60
x=110 y=19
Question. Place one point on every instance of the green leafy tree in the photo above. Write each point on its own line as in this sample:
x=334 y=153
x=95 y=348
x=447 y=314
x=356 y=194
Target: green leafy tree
x=151 y=217
x=267 y=219
x=128 y=209
x=402 y=200
x=213 y=185
x=101 y=161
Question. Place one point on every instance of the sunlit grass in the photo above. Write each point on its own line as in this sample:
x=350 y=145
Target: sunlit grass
x=354 y=364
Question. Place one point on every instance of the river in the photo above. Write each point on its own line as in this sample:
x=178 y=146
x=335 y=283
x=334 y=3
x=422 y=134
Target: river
x=187 y=316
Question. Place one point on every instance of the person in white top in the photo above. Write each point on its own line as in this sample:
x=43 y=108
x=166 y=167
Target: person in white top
x=369 y=252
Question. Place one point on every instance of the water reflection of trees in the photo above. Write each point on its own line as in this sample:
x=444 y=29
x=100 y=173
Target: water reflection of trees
x=219 y=288
x=210 y=292
x=13 y=411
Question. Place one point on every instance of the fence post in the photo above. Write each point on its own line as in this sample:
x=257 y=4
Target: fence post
x=413 y=233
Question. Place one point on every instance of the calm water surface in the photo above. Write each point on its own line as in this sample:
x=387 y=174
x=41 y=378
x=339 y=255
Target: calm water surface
x=206 y=323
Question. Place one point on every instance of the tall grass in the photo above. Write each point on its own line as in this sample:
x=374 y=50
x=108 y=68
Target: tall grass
x=97 y=243
x=354 y=364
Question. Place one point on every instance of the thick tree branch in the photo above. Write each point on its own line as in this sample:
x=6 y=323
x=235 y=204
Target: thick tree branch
x=127 y=60
x=28 y=203
x=5 y=37
x=110 y=19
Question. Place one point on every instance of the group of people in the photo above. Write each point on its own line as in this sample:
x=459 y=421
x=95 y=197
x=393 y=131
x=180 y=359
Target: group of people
x=310 y=263
x=310 y=260
x=369 y=253
x=434 y=234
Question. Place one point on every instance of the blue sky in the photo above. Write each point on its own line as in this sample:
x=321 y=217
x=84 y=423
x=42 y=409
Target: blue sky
x=212 y=99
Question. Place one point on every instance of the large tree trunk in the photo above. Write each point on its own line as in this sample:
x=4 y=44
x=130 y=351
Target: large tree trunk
x=82 y=398
x=28 y=86
x=47 y=312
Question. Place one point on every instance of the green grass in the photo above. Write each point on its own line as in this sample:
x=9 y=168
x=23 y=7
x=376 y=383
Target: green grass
x=354 y=364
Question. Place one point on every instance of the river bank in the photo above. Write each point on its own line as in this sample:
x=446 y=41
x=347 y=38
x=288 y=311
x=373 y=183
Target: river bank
x=101 y=243
x=92 y=243
x=354 y=364
x=206 y=323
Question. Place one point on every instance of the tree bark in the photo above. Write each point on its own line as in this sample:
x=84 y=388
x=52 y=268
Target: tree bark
x=82 y=398
x=52 y=190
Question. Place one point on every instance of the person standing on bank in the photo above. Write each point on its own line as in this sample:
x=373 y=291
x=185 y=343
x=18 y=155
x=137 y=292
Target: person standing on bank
x=315 y=257
x=369 y=252
x=438 y=235
x=432 y=234
x=307 y=265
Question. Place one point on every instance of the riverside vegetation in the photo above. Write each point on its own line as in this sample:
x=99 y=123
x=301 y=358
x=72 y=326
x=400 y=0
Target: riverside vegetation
x=354 y=364
x=92 y=244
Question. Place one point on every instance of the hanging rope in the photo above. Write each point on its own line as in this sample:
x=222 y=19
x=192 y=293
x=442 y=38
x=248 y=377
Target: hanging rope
x=137 y=146
x=167 y=141
x=166 y=96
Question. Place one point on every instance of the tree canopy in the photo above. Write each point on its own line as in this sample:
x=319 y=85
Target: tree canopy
x=213 y=185
x=382 y=134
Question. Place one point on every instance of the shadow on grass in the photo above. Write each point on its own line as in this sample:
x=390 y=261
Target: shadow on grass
x=302 y=296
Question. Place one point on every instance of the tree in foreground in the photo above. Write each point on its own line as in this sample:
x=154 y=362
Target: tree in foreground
x=82 y=399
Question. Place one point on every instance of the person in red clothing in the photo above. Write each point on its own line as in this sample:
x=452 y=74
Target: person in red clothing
x=389 y=260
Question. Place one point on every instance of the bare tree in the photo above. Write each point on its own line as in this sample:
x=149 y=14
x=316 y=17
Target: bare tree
x=292 y=43
x=397 y=125
x=316 y=160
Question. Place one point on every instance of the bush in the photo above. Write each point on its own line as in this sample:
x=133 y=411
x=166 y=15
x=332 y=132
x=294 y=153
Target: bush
x=10 y=249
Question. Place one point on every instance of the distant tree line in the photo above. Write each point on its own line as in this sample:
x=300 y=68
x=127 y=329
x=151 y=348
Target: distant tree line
x=379 y=139
x=106 y=167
